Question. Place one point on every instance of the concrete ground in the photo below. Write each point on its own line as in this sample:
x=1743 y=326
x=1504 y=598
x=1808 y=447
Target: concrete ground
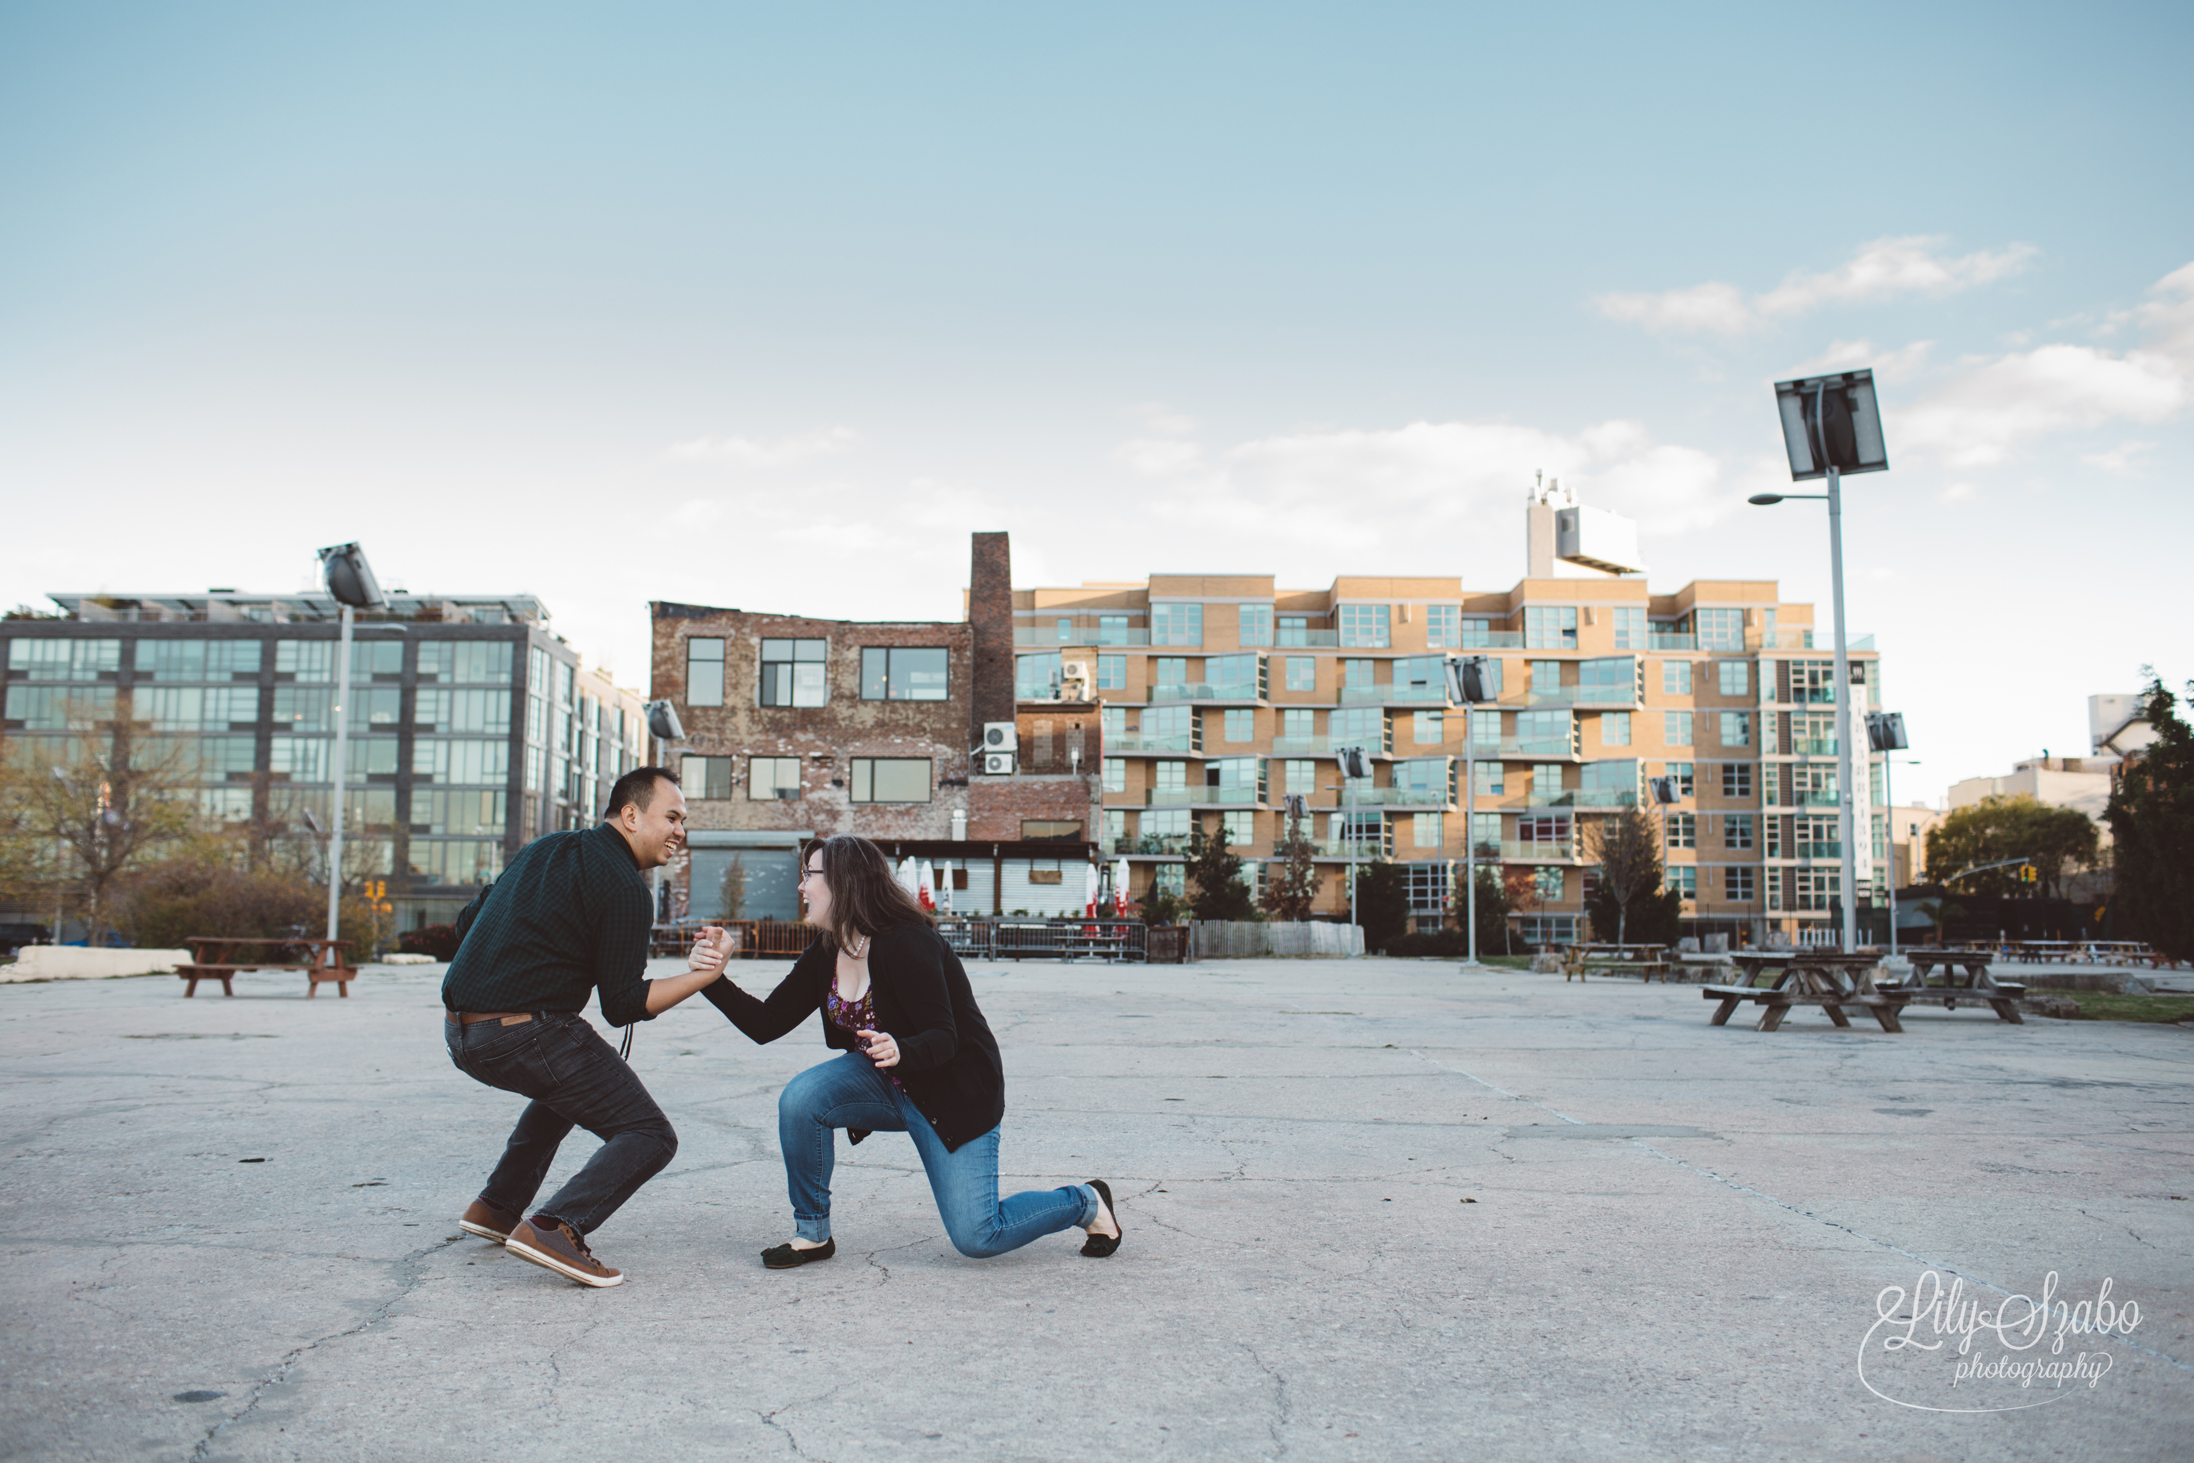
x=1372 y=1208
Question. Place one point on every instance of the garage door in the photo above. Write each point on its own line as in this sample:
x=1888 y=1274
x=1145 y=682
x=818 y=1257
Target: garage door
x=772 y=876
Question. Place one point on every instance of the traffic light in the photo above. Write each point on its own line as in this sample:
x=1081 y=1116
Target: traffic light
x=2028 y=874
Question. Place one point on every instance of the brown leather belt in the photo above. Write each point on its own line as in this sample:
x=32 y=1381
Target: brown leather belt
x=508 y=1018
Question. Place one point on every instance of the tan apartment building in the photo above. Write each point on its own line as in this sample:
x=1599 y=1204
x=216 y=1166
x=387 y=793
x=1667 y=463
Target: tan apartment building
x=1221 y=694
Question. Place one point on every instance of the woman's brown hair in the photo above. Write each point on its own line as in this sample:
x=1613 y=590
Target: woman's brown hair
x=864 y=897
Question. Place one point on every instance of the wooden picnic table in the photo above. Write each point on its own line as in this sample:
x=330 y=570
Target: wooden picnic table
x=1830 y=979
x=1642 y=959
x=1965 y=974
x=220 y=957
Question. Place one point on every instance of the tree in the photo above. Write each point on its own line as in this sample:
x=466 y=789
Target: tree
x=1382 y=903
x=735 y=888
x=1628 y=852
x=117 y=801
x=1291 y=884
x=2152 y=826
x=1216 y=890
x=1494 y=907
x=2057 y=841
x=1522 y=890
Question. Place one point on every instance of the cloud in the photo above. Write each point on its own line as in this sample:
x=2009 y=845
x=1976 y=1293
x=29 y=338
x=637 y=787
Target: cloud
x=1991 y=406
x=2122 y=458
x=757 y=452
x=1358 y=489
x=1851 y=355
x=1882 y=270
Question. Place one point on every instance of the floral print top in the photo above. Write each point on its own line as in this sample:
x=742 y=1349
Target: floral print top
x=853 y=1017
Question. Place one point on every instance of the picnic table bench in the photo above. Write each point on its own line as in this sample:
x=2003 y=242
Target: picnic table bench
x=220 y=957
x=1965 y=974
x=1645 y=961
x=1830 y=979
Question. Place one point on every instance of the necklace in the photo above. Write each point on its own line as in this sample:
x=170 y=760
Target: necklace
x=858 y=948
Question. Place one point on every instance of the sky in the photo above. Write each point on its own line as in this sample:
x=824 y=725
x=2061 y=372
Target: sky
x=771 y=307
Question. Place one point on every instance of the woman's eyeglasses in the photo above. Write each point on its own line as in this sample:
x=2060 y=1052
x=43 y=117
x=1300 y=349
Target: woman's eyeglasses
x=807 y=874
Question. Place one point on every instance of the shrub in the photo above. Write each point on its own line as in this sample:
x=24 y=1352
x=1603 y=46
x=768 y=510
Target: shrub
x=161 y=907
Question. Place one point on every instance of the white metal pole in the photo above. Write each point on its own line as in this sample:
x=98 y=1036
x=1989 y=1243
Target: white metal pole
x=1348 y=803
x=1845 y=823
x=1889 y=796
x=1470 y=836
x=342 y=754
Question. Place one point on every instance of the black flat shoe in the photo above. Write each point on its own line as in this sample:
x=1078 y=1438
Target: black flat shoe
x=1097 y=1246
x=785 y=1257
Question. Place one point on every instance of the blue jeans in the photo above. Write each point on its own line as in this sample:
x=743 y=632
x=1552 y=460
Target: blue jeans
x=848 y=1092
x=575 y=1080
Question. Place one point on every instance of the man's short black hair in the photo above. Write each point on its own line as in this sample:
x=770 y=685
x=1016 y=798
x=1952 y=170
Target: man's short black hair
x=638 y=788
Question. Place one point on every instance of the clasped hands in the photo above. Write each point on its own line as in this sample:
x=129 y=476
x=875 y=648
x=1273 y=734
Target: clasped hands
x=710 y=950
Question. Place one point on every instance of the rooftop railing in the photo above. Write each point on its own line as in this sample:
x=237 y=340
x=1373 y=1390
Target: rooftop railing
x=1393 y=695
x=1123 y=743
x=1180 y=797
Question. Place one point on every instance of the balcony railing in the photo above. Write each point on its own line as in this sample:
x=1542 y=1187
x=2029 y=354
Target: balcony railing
x=1362 y=848
x=1391 y=695
x=1158 y=843
x=1399 y=797
x=1034 y=637
x=1493 y=640
x=1621 y=697
x=1323 y=746
x=1813 y=746
x=1514 y=751
x=1659 y=640
x=1307 y=638
x=1181 y=797
x=1585 y=797
x=1126 y=742
x=1538 y=853
x=1204 y=691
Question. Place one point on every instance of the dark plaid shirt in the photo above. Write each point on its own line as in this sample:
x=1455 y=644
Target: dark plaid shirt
x=571 y=914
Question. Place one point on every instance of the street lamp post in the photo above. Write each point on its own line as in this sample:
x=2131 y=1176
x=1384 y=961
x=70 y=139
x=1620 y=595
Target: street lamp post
x=1353 y=765
x=1467 y=686
x=1831 y=426
x=350 y=579
x=1885 y=733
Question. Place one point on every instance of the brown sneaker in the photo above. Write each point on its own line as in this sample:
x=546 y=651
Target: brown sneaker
x=554 y=1245
x=487 y=1221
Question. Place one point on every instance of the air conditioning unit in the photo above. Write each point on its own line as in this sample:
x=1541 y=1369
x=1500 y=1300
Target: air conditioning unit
x=1075 y=671
x=998 y=764
x=1000 y=736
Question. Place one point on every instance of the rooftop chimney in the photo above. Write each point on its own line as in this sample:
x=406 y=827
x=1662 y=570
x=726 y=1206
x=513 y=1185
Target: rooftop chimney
x=990 y=615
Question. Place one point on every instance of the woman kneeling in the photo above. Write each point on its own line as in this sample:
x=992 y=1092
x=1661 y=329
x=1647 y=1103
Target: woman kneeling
x=916 y=1057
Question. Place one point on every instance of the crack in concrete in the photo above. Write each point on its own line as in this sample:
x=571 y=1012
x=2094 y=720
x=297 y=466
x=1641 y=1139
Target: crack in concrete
x=886 y=1250
x=769 y=1420
x=412 y=1266
x=1279 y=1402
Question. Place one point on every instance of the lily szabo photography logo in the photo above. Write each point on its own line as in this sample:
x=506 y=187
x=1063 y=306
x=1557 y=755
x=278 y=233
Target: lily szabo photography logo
x=1944 y=1348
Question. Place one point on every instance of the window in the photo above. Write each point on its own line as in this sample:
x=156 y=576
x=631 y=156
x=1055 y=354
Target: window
x=1246 y=772
x=1170 y=879
x=1036 y=677
x=1486 y=777
x=1614 y=728
x=1546 y=883
x=1171 y=729
x=1610 y=677
x=1172 y=777
x=1737 y=884
x=1734 y=677
x=1112 y=673
x=1115 y=774
x=1473 y=634
x=1169 y=670
x=1065 y=625
x=792 y=675
x=64 y=660
x=1356 y=673
x=1256 y=625
x=1238 y=829
x=1487 y=831
x=1813 y=681
x=1302 y=673
x=1544 y=828
x=1241 y=726
x=1443 y=627
x=1364 y=726
x=1608 y=783
x=1176 y=624
x=1676 y=728
x=773 y=777
x=1115 y=832
x=1294 y=629
x=1681 y=771
x=1234 y=677
x=1485 y=728
x=708 y=777
x=474 y=662
x=1817 y=837
x=890 y=779
x=1425 y=830
x=1298 y=722
x=1546 y=676
x=1546 y=781
x=1539 y=733
x=304 y=660
x=903 y=674
x=173 y=660
x=1051 y=830
x=1550 y=627
x=1428 y=673
x=1736 y=779
x=1736 y=728
x=1112 y=630
x=1676 y=678
x=1630 y=628
x=1301 y=775
x=1720 y=629
x=458 y=813
x=449 y=759
x=1817 y=888
x=1683 y=830
x=1684 y=879
x=1813 y=734
x=1366 y=626
x=456 y=860
x=298 y=708
x=1428 y=728
x=1736 y=830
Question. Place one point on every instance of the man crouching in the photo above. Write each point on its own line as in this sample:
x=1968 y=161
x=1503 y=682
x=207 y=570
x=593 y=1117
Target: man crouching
x=571 y=914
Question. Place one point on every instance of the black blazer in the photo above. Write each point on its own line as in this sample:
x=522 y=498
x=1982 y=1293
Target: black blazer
x=948 y=1060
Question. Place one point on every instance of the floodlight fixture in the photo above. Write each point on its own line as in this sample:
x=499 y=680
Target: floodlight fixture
x=1664 y=789
x=349 y=577
x=663 y=722
x=1831 y=422
x=1885 y=731
x=1467 y=681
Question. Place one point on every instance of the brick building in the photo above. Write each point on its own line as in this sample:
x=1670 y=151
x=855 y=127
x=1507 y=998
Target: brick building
x=798 y=727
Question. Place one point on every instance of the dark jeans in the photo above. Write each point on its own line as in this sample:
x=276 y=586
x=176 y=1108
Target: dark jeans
x=575 y=1080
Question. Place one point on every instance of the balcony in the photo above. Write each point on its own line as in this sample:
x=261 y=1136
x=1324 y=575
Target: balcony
x=1125 y=742
x=1286 y=636
x=1152 y=843
x=1813 y=746
x=1341 y=848
x=1584 y=797
x=1323 y=746
x=1558 y=750
x=1620 y=698
x=1202 y=691
x=1536 y=853
x=1224 y=797
x=1398 y=797
x=1391 y=695
x=1660 y=641
x=1491 y=640
x=1039 y=637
